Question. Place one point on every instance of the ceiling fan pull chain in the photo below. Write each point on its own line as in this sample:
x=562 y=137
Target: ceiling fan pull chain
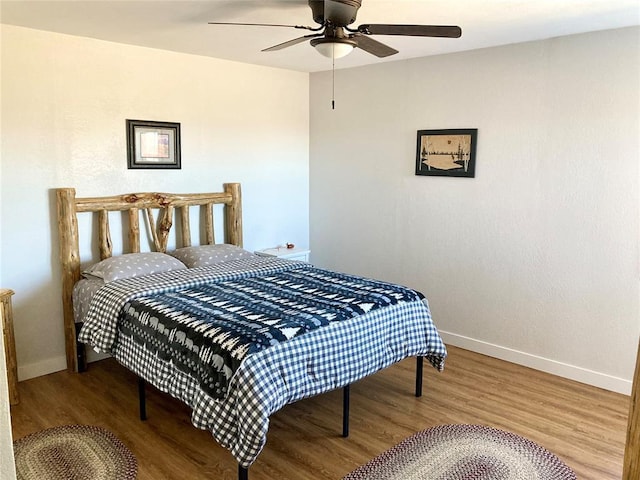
x=333 y=83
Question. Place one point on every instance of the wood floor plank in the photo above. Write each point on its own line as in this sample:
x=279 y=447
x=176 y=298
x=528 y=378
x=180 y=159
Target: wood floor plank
x=583 y=425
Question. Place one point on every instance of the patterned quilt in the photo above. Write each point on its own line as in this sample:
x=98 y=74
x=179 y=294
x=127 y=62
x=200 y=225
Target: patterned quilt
x=207 y=331
x=240 y=340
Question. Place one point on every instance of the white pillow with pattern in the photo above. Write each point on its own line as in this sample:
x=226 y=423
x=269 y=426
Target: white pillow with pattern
x=133 y=265
x=202 y=255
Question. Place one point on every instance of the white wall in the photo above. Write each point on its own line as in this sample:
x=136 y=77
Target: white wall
x=7 y=464
x=64 y=104
x=536 y=259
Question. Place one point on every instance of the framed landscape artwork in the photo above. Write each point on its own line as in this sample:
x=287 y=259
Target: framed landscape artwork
x=447 y=153
x=153 y=144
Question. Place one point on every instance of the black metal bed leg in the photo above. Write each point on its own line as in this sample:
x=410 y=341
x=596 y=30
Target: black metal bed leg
x=345 y=411
x=243 y=473
x=142 y=397
x=419 y=365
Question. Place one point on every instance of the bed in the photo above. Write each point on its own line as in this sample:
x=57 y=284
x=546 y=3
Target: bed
x=233 y=335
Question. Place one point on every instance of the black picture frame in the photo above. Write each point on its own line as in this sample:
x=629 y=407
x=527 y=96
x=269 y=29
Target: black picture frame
x=447 y=152
x=152 y=145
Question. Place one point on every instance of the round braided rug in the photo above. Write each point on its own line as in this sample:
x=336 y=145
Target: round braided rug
x=73 y=452
x=464 y=452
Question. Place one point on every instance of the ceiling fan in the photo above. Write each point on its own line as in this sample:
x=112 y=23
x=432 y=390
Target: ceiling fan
x=335 y=39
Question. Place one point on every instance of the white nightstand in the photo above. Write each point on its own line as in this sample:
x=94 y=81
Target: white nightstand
x=284 y=252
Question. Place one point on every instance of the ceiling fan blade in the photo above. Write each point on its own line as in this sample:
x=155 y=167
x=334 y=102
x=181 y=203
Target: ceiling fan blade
x=372 y=46
x=448 y=31
x=267 y=25
x=290 y=43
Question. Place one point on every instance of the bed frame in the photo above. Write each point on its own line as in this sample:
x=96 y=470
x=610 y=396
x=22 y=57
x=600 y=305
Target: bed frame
x=132 y=205
x=169 y=207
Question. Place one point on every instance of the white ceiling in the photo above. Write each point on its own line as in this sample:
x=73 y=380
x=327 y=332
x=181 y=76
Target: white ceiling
x=181 y=25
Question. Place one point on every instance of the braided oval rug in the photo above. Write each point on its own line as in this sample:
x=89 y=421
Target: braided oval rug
x=73 y=452
x=464 y=452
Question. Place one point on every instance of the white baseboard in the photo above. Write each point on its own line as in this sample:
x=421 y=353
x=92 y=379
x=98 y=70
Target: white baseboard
x=52 y=365
x=45 y=367
x=554 y=367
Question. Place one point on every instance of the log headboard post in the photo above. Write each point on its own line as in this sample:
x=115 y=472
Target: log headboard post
x=70 y=260
x=133 y=204
x=233 y=215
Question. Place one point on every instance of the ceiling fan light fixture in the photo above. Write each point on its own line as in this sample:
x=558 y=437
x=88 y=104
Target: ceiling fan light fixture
x=333 y=47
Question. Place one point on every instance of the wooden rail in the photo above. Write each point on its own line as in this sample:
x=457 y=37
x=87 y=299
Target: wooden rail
x=6 y=322
x=632 y=448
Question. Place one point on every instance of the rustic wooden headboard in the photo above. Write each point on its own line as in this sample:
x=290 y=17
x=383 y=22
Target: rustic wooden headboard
x=134 y=204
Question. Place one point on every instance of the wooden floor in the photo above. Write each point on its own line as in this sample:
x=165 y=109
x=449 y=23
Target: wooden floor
x=584 y=426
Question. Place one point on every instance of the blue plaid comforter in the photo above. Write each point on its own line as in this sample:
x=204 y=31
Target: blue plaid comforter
x=303 y=331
